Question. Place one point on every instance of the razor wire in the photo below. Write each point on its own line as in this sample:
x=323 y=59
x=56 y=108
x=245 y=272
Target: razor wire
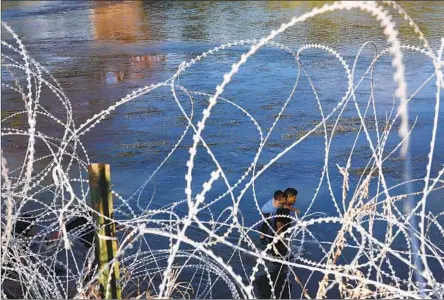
x=39 y=267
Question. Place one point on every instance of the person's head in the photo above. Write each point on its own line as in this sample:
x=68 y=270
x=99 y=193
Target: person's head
x=279 y=196
x=291 y=195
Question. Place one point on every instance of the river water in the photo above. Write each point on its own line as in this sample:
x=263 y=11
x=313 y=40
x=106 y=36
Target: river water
x=100 y=51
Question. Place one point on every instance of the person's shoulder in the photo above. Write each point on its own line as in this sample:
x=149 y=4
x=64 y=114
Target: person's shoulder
x=268 y=203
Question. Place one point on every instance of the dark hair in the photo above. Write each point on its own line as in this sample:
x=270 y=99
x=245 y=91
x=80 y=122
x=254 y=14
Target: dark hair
x=278 y=193
x=290 y=192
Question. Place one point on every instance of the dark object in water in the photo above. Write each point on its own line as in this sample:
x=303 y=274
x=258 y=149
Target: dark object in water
x=24 y=225
x=86 y=235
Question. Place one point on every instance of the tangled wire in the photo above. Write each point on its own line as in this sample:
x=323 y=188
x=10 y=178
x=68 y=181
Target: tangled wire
x=44 y=265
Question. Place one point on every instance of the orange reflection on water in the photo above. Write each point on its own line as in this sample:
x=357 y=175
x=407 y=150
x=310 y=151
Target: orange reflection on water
x=122 y=21
x=138 y=68
x=141 y=63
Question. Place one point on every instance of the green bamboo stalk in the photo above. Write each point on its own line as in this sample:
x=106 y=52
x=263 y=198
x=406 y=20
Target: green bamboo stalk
x=106 y=249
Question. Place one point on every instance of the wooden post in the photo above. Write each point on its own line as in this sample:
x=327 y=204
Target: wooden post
x=106 y=248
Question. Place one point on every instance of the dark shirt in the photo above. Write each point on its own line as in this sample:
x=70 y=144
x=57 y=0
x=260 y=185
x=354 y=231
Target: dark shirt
x=286 y=221
x=285 y=218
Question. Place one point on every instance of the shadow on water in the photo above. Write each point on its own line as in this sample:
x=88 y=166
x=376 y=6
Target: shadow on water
x=280 y=280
